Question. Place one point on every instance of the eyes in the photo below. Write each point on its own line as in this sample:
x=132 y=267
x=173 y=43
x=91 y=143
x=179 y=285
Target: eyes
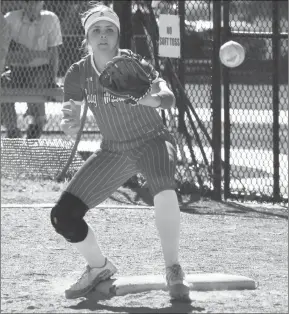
x=106 y=31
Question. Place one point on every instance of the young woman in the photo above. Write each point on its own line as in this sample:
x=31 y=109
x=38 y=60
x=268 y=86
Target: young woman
x=134 y=141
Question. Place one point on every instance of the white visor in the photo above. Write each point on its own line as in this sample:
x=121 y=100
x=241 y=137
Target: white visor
x=101 y=16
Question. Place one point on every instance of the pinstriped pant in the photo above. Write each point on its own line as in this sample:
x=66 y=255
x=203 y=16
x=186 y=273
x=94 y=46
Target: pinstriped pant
x=106 y=170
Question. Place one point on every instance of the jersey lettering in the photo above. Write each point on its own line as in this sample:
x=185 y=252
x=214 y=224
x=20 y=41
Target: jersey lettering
x=91 y=98
x=108 y=98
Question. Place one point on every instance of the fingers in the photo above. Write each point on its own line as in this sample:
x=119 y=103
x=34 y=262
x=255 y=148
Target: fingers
x=69 y=126
x=70 y=122
x=69 y=109
x=67 y=112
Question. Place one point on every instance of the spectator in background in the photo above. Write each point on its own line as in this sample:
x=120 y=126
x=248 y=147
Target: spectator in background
x=11 y=123
x=32 y=59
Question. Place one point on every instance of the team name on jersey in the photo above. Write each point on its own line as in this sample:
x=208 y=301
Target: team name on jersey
x=108 y=98
x=93 y=94
x=91 y=98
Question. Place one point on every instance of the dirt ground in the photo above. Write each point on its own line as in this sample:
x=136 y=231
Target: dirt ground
x=233 y=238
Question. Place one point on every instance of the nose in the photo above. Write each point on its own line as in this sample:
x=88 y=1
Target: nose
x=103 y=36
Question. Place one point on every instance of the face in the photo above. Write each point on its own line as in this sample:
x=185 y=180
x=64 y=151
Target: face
x=103 y=36
x=34 y=7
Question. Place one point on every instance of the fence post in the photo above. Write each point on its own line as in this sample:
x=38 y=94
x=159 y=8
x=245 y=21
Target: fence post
x=181 y=65
x=275 y=96
x=123 y=10
x=216 y=101
x=226 y=100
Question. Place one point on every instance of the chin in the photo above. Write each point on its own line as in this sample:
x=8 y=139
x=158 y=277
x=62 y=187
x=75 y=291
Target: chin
x=104 y=48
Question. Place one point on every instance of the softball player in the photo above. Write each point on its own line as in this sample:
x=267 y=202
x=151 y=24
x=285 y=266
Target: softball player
x=134 y=141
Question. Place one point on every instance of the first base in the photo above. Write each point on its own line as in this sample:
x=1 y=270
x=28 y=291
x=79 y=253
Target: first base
x=198 y=282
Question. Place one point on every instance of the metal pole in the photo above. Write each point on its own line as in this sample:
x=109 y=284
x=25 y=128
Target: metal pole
x=216 y=101
x=123 y=10
x=275 y=96
x=181 y=74
x=226 y=99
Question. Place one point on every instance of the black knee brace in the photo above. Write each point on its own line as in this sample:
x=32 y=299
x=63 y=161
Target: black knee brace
x=67 y=218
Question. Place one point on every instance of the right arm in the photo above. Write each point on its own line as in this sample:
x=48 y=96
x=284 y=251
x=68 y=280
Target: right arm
x=73 y=99
x=5 y=41
x=17 y=52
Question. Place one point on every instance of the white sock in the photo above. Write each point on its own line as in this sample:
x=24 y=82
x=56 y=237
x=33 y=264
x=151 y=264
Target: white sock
x=90 y=250
x=167 y=219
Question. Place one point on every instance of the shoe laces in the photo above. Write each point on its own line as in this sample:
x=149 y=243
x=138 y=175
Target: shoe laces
x=174 y=273
x=87 y=270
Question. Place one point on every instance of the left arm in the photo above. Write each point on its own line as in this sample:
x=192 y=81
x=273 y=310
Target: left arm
x=5 y=41
x=160 y=97
x=54 y=41
x=54 y=60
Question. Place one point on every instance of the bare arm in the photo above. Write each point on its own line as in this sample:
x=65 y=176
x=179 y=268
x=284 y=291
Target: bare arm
x=73 y=98
x=54 y=59
x=18 y=53
x=5 y=41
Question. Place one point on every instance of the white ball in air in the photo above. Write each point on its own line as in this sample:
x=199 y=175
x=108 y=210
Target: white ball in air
x=232 y=54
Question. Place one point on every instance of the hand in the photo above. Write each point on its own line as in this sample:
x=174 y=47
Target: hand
x=151 y=100
x=70 y=122
x=19 y=54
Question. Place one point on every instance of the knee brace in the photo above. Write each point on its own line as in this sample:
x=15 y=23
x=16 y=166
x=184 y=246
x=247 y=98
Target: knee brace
x=67 y=218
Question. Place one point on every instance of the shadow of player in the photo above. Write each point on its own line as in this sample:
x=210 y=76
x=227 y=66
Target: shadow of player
x=92 y=303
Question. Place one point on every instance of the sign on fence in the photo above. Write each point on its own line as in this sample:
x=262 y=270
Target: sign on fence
x=169 y=31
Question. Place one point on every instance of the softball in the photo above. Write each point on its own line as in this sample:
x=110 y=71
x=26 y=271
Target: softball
x=232 y=54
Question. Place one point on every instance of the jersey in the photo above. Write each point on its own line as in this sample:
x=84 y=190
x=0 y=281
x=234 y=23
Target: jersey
x=122 y=126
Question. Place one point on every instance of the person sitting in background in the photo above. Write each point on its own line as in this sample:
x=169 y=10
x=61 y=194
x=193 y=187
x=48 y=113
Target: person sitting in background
x=32 y=60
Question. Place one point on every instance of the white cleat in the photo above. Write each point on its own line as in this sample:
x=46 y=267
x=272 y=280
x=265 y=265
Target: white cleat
x=89 y=279
x=178 y=288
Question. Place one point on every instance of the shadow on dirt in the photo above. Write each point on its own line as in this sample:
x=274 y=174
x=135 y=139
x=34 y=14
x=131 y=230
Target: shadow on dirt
x=196 y=205
x=209 y=207
x=132 y=196
x=92 y=304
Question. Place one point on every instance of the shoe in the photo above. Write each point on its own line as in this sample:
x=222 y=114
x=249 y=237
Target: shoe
x=178 y=288
x=89 y=279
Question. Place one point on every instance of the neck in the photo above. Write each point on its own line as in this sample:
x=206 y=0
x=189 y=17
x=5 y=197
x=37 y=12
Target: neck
x=100 y=60
x=32 y=16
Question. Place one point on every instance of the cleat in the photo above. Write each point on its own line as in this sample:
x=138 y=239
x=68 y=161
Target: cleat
x=178 y=288
x=89 y=279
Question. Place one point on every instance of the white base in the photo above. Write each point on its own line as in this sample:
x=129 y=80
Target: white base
x=198 y=282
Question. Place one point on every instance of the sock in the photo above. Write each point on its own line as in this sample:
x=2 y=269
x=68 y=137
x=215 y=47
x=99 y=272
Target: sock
x=167 y=219
x=90 y=250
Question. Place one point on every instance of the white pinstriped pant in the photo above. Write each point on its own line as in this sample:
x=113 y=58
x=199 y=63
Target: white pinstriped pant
x=106 y=170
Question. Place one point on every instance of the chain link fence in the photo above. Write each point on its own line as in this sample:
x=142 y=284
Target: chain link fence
x=249 y=171
x=256 y=101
